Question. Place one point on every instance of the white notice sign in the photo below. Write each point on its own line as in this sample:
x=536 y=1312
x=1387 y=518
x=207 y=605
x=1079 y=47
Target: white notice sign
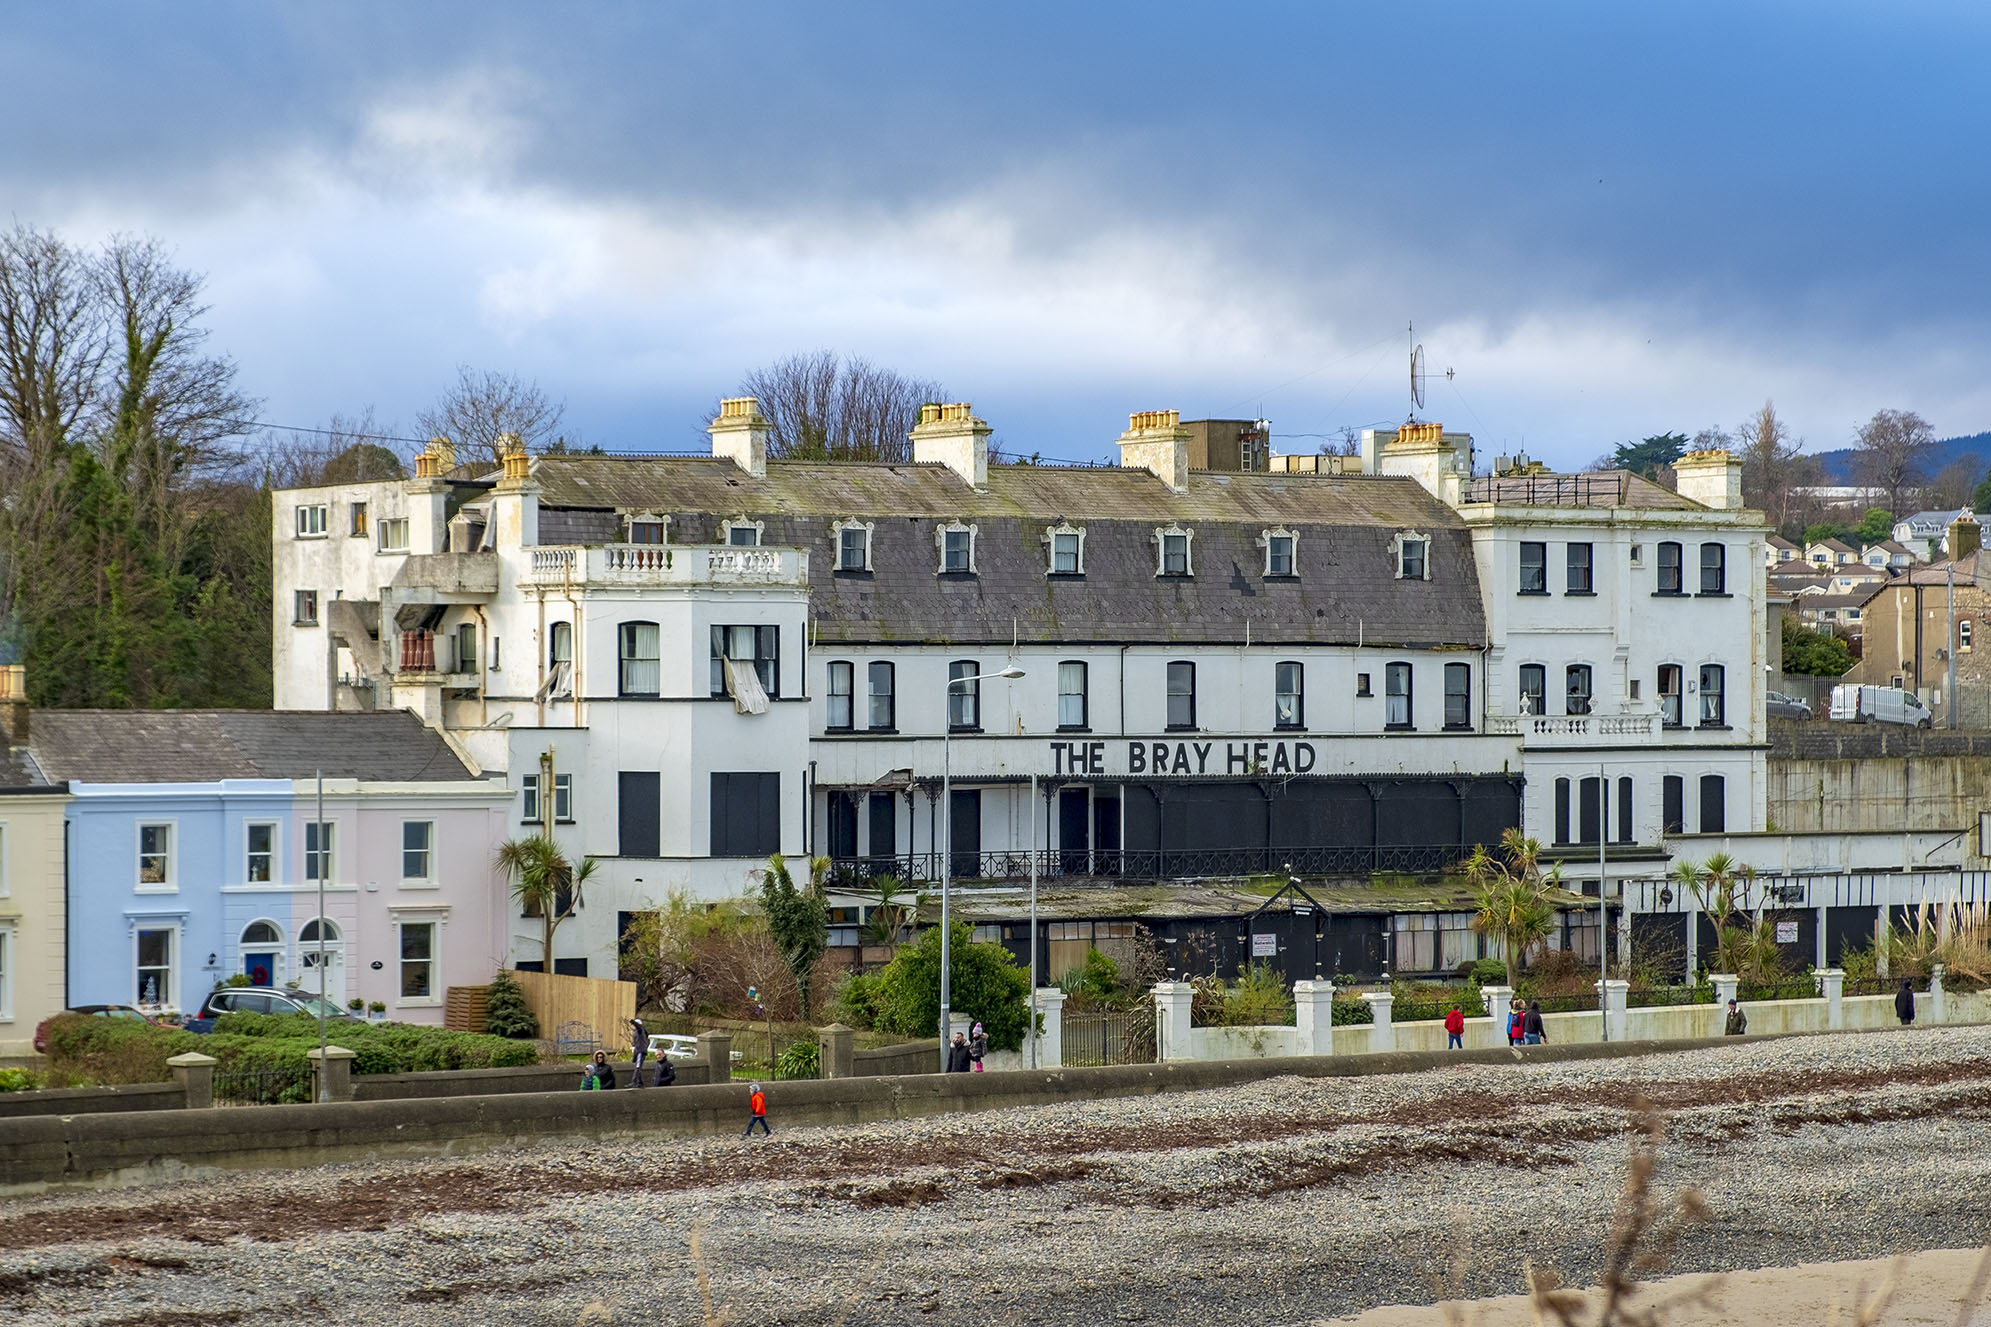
x=1264 y=946
x=1786 y=933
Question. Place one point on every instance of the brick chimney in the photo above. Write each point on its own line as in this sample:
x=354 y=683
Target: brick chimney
x=13 y=705
x=1965 y=537
x=1712 y=478
x=1155 y=441
x=740 y=434
x=950 y=435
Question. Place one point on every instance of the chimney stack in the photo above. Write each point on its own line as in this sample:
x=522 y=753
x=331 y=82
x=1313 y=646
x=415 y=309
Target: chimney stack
x=950 y=435
x=1965 y=536
x=740 y=434
x=1440 y=461
x=1155 y=441
x=1712 y=478
x=13 y=705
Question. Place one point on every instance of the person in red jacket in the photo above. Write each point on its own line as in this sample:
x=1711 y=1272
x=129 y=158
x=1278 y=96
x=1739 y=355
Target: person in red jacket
x=757 y=1104
x=1455 y=1030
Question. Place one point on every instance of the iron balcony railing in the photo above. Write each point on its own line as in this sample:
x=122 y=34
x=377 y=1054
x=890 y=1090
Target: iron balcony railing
x=1155 y=864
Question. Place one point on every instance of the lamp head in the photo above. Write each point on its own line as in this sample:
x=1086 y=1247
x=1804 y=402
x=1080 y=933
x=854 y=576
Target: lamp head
x=1011 y=671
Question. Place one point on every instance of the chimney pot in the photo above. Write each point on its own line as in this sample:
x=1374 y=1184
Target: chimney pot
x=740 y=434
x=949 y=434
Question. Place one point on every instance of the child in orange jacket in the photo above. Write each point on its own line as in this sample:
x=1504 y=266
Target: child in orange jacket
x=757 y=1104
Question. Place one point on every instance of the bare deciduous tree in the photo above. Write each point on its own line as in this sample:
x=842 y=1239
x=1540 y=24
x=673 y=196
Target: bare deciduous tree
x=483 y=405
x=1953 y=487
x=1893 y=445
x=1775 y=473
x=823 y=406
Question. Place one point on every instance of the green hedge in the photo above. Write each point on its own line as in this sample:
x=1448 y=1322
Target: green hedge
x=83 y=1048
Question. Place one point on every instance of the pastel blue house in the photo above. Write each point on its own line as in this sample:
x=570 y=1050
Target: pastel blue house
x=167 y=885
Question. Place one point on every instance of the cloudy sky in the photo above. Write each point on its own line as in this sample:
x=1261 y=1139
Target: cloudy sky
x=1606 y=220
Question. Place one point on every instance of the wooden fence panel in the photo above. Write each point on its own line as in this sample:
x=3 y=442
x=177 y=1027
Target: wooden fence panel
x=463 y=1008
x=605 y=1006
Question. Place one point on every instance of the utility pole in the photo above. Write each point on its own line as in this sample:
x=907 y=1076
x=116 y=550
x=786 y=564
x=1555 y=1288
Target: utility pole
x=324 y=867
x=1949 y=679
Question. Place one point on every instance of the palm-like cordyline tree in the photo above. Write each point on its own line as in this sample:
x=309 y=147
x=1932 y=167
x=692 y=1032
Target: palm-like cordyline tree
x=1510 y=894
x=544 y=882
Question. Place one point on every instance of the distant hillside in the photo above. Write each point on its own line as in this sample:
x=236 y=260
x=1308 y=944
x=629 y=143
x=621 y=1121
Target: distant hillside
x=1842 y=466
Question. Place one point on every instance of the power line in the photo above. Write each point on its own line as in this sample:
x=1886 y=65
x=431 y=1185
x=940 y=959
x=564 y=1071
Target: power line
x=326 y=433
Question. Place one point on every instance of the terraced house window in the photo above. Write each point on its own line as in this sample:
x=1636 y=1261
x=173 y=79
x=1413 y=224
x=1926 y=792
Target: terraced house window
x=641 y=671
x=1534 y=688
x=418 y=960
x=394 y=535
x=155 y=856
x=1072 y=698
x=417 y=843
x=563 y=799
x=759 y=646
x=1413 y=558
x=1279 y=552
x=883 y=705
x=1534 y=567
x=1577 y=578
x=964 y=698
x=1182 y=695
x=956 y=544
x=318 y=850
x=153 y=984
x=1067 y=550
x=1714 y=712
x=853 y=545
x=304 y=608
x=1458 y=695
x=311 y=521
x=1173 y=553
x=1669 y=695
x=1714 y=569
x=1289 y=695
x=841 y=676
x=1396 y=695
x=1576 y=689
x=1669 y=569
x=260 y=868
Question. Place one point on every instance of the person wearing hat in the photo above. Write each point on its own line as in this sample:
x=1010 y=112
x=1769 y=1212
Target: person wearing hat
x=978 y=1046
x=1738 y=1022
x=757 y=1106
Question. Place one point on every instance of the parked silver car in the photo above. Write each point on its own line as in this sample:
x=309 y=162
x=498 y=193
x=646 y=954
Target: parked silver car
x=1781 y=706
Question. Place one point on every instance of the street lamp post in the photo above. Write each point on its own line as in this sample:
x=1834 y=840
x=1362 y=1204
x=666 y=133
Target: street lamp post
x=1011 y=672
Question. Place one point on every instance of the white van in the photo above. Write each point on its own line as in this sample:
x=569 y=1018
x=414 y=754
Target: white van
x=1852 y=704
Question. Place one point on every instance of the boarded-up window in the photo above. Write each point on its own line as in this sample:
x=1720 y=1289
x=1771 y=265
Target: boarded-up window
x=746 y=814
x=638 y=800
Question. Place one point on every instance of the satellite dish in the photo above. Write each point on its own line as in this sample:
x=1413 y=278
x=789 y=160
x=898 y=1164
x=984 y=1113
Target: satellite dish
x=1417 y=377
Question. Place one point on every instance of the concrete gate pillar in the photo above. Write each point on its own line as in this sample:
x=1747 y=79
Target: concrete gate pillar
x=1313 y=1007
x=1172 y=1019
x=1382 y=1036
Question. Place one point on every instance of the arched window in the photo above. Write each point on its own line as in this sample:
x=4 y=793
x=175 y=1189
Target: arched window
x=261 y=933
x=309 y=935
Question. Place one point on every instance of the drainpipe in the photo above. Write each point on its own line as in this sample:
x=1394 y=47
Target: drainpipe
x=539 y=644
x=483 y=651
x=68 y=917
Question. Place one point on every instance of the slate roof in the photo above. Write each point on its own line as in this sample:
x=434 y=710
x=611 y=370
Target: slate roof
x=1346 y=590
x=18 y=769
x=200 y=746
x=1599 y=488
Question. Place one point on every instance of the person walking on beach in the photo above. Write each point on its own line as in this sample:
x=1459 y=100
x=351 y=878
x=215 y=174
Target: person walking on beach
x=957 y=1055
x=978 y=1046
x=1517 y=1023
x=1904 y=1003
x=757 y=1112
x=1738 y=1022
x=1534 y=1032
x=639 y=1043
x=1455 y=1030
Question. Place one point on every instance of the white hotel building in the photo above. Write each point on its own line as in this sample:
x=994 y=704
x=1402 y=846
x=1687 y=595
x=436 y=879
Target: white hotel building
x=1347 y=669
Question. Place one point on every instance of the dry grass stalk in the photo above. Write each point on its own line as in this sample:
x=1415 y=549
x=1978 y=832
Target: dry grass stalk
x=1641 y=1241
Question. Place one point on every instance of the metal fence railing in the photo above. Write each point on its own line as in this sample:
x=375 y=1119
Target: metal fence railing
x=1154 y=864
x=1883 y=985
x=262 y=1086
x=1788 y=988
x=1563 y=1004
x=1113 y=1038
x=1655 y=996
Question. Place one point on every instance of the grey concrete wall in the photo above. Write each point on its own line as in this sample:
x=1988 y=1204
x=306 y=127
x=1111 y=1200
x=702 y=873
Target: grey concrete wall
x=1836 y=777
x=38 y=1153
x=563 y=1076
x=912 y=1057
x=93 y=1100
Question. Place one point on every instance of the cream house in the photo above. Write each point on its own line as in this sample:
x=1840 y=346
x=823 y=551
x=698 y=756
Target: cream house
x=32 y=920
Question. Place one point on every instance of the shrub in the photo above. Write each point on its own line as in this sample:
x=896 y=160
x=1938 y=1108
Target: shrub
x=854 y=1000
x=802 y=1059
x=1258 y=998
x=1486 y=972
x=17 y=1080
x=987 y=985
x=1350 y=1013
x=505 y=1010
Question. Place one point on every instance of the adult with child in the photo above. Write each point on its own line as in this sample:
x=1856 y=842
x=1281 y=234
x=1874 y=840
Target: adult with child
x=600 y=1075
x=1517 y=1023
x=957 y=1054
x=978 y=1046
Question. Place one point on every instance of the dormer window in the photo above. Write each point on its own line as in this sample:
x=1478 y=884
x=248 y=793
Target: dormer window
x=1412 y=553
x=853 y=545
x=742 y=533
x=1067 y=545
x=649 y=528
x=956 y=543
x=1173 y=556
x=1281 y=552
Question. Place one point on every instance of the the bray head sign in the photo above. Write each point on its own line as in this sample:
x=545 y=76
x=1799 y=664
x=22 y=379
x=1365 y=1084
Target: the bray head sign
x=1233 y=758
